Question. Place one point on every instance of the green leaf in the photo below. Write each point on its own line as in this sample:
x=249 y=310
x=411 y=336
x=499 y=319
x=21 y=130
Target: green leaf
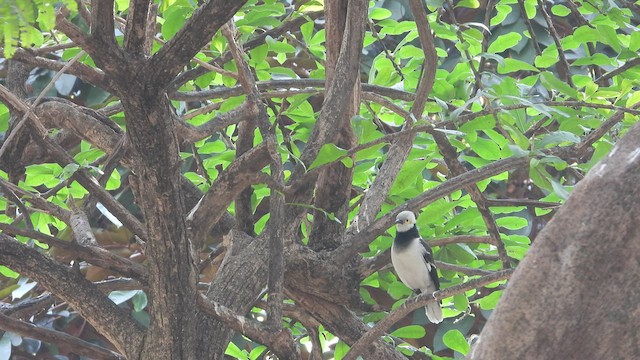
x=512 y=222
x=328 y=153
x=512 y=65
x=139 y=301
x=461 y=302
x=234 y=351
x=5 y=271
x=504 y=42
x=490 y=301
x=341 y=350
x=502 y=11
x=454 y=340
x=410 y=332
x=256 y=352
x=550 y=81
x=558 y=137
x=560 y=10
x=472 y=4
x=379 y=14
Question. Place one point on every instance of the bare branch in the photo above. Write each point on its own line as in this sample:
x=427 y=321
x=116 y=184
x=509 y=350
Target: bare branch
x=93 y=254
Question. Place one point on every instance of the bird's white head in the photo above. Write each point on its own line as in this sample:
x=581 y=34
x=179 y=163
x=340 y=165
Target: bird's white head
x=405 y=221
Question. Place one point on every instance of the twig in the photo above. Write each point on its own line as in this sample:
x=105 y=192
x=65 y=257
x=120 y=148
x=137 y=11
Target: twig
x=556 y=40
x=419 y=301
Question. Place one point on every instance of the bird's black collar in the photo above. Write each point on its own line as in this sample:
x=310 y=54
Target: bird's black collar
x=403 y=239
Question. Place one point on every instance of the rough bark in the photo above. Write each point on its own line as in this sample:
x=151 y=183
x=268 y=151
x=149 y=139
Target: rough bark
x=576 y=294
x=333 y=187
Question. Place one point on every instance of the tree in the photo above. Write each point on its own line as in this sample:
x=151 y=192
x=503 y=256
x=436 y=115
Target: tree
x=222 y=168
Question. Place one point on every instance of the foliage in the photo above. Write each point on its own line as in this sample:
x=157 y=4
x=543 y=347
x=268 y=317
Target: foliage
x=494 y=97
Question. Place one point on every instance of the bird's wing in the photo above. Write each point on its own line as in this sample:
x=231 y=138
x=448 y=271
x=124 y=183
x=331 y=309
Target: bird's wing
x=427 y=255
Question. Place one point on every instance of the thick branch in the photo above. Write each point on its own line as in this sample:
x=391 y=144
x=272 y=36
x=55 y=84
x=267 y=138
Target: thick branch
x=135 y=35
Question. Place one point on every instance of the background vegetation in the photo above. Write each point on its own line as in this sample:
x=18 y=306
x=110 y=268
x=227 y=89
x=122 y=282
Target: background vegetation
x=187 y=179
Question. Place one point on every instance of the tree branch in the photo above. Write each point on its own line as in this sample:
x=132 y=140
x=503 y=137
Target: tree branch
x=243 y=171
x=135 y=35
x=280 y=342
x=71 y=286
x=64 y=340
x=196 y=32
x=92 y=254
x=400 y=148
x=419 y=301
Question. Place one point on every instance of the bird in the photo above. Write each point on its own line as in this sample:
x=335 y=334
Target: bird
x=412 y=259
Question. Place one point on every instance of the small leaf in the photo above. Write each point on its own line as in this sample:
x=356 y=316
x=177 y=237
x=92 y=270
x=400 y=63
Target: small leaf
x=560 y=10
x=5 y=271
x=234 y=351
x=410 y=332
x=341 y=350
x=121 y=296
x=139 y=301
x=454 y=340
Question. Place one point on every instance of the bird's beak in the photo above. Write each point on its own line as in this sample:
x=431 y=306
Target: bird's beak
x=398 y=221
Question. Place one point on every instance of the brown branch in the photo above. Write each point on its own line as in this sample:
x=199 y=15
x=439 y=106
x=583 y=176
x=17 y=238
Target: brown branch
x=82 y=71
x=522 y=202
x=280 y=342
x=59 y=338
x=419 y=301
x=71 y=286
x=596 y=134
x=135 y=35
x=225 y=92
x=102 y=28
x=556 y=39
x=191 y=133
x=93 y=254
x=401 y=147
x=165 y=64
x=38 y=201
x=450 y=156
x=243 y=171
x=275 y=282
x=627 y=65
x=275 y=33
x=527 y=21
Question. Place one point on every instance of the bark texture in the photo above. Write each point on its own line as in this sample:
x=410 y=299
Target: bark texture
x=576 y=294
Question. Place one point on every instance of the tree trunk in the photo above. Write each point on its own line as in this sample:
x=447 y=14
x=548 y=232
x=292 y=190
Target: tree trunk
x=576 y=294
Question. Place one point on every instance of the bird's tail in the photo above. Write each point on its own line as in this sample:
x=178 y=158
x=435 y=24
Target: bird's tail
x=434 y=312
